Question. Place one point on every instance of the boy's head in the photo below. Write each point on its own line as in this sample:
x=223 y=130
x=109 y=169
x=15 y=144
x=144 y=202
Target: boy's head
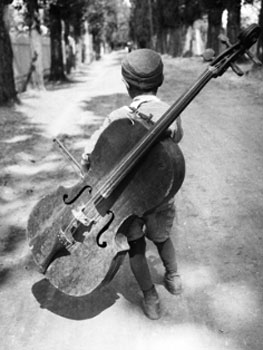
x=142 y=71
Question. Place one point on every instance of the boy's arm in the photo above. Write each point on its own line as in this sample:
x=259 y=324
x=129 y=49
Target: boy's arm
x=177 y=131
x=117 y=114
x=85 y=159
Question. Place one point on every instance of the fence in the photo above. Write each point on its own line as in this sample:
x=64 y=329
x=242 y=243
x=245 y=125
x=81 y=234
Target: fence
x=23 y=55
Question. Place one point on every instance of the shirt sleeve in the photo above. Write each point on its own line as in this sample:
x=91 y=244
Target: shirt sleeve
x=91 y=142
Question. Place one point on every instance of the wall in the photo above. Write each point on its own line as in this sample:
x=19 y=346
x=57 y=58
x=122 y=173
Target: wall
x=22 y=56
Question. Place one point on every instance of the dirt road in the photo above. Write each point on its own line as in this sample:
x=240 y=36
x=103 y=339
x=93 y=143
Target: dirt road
x=218 y=228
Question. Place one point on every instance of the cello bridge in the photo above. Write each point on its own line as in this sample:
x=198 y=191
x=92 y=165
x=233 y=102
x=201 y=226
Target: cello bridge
x=80 y=216
x=64 y=239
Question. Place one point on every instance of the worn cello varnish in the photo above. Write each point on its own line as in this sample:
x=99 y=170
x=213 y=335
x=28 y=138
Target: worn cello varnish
x=75 y=234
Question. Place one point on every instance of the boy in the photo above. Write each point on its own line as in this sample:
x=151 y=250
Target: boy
x=142 y=72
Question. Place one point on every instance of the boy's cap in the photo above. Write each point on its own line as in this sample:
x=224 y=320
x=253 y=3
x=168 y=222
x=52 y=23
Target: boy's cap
x=143 y=68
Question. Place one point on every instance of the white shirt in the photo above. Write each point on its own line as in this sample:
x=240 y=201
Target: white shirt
x=148 y=104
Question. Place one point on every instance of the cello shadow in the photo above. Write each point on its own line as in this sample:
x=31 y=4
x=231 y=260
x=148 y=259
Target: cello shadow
x=100 y=299
x=72 y=307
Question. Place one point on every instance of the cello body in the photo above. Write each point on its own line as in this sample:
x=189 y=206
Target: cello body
x=99 y=244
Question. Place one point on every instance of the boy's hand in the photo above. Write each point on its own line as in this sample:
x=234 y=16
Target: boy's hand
x=85 y=162
x=179 y=123
x=178 y=132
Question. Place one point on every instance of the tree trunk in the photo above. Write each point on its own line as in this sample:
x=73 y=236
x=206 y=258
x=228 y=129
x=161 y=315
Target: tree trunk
x=35 y=37
x=233 y=19
x=176 y=40
x=214 y=28
x=161 y=30
x=161 y=42
x=7 y=83
x=150 y=23
x=260 y=40
x=97 y=47
x=57 y=66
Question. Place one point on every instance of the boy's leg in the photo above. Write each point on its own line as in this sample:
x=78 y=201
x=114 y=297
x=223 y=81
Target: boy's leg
x=158 y=229
x=167 y=254
x=172 y=279
x=140 y=269
x=139 y=265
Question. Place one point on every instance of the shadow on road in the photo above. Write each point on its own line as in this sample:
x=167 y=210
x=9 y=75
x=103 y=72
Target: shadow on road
x=91 y=305
x=11 y=238
x=103 y=105
x=76 y=308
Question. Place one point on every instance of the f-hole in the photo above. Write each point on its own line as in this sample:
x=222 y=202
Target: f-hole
x=70 y=201
x=105 y=228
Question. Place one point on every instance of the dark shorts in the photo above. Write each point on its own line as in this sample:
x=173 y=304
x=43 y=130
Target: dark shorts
x=156 y=226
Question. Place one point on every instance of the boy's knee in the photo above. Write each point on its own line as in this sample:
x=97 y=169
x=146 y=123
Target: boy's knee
x=137 y=246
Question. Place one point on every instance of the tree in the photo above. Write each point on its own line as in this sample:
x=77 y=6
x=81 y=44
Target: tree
x=214 y=9
x=233 y=8
x=63 y=14
x=116 y=23
x=172 y=20
x=161 y=29
x=111 y=23
x=233 y=19
x=123 y=16
x=55 y=26
x=260 y=40
x=7 y=84
x=96 y=20
x=140 y=28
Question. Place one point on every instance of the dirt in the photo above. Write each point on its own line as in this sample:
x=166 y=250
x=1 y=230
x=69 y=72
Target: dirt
x=217 y=231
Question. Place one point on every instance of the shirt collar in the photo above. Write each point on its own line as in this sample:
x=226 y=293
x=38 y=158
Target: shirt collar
x=138 y=100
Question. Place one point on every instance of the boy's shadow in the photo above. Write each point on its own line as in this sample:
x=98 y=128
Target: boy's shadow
x=91 y=305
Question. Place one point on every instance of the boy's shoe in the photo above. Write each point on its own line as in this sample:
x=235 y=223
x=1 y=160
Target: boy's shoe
x=173 y=283
x=151 y=304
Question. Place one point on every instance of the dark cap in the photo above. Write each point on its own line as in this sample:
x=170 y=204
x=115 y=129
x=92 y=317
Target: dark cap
x=143 y=69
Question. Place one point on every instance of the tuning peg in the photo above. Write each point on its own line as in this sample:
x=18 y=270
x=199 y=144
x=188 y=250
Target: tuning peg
x=224 y=40
x=236 y=69
x=253 y=58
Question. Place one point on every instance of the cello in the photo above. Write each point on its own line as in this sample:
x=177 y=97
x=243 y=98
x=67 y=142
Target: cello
x=76 y=234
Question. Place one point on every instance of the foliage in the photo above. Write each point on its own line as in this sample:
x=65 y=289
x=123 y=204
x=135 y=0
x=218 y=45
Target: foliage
x=164 y=16
x=116 y=25
x=140 y=22
x=95 y=17
x=176 y=13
